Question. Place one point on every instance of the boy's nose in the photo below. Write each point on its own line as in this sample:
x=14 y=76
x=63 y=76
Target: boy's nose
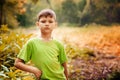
x=47 y=23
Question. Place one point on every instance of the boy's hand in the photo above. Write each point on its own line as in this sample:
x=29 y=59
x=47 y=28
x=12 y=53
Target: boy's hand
x=19 y=63
x=37 y=73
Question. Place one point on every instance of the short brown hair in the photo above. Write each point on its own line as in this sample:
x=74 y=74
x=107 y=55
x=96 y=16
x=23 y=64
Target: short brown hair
x=46 y=12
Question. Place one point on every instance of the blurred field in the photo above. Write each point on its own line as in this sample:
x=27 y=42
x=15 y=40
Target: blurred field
x=102 y=39
x=105 y=40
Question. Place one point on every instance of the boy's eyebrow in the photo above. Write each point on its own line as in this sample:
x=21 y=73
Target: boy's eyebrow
x=46 y=16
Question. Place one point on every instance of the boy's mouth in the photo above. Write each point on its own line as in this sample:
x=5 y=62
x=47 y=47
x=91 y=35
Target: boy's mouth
x=47 y=27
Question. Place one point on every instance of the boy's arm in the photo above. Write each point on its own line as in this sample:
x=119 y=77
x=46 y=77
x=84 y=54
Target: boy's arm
x=65 y=69
x=21 y=65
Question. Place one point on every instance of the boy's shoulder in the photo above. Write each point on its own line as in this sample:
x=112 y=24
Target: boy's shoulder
x=58 y=42
x=32 y=39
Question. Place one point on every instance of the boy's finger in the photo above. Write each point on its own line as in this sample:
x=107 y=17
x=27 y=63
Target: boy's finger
x=38 y=76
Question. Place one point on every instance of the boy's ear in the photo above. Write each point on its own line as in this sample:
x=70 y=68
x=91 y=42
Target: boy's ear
x=37 y=23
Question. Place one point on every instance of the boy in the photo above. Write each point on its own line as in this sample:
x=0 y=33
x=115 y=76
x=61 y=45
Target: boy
x=47 y=54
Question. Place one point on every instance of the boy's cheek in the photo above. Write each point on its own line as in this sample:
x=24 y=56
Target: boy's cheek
x=41 y=25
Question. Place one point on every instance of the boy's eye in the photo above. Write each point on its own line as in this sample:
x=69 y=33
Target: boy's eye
x=50 y=21
x=42 y=21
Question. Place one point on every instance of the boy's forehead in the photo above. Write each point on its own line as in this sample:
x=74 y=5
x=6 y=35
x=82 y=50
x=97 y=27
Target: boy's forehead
x=46 y=13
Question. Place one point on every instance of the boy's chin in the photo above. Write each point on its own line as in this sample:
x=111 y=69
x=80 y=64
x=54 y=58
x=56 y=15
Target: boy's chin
x=47 y=31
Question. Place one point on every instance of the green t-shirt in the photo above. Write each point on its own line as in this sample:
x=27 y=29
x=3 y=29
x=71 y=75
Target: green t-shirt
x=47 y=56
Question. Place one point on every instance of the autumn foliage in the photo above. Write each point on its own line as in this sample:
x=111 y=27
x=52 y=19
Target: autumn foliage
x=101 y=39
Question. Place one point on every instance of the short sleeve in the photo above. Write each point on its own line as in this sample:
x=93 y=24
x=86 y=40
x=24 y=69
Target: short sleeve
x=62 y=54
x=26 y=52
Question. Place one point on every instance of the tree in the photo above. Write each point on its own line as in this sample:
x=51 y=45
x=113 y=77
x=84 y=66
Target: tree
x=107 y=11
x=99 y=11
x=69 y=12
x=9 y=9
x=81 y=5
x=84 y=7
x=2 y=2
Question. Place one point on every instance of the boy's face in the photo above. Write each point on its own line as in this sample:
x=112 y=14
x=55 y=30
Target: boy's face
x=46 y=24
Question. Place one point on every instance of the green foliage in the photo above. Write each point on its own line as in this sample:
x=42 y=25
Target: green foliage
x=22 y=19
x=10 y=44
x=114 y=76
x=27 y=19
x=105 y=12
x=9 y=10
x=13 y=13
x=35 y=1
x=81 y=5
x=14 y=74
x=69 y=11
x=74 y=52
x=89 y=11
x=112 y=1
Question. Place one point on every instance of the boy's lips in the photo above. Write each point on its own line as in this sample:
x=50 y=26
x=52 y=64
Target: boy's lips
x=47 y=27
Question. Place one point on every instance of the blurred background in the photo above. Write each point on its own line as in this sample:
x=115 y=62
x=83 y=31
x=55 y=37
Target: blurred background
x=80 y=12
x=89 y=30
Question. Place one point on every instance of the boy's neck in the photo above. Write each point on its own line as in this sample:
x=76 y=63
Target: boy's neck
x=46 y=37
